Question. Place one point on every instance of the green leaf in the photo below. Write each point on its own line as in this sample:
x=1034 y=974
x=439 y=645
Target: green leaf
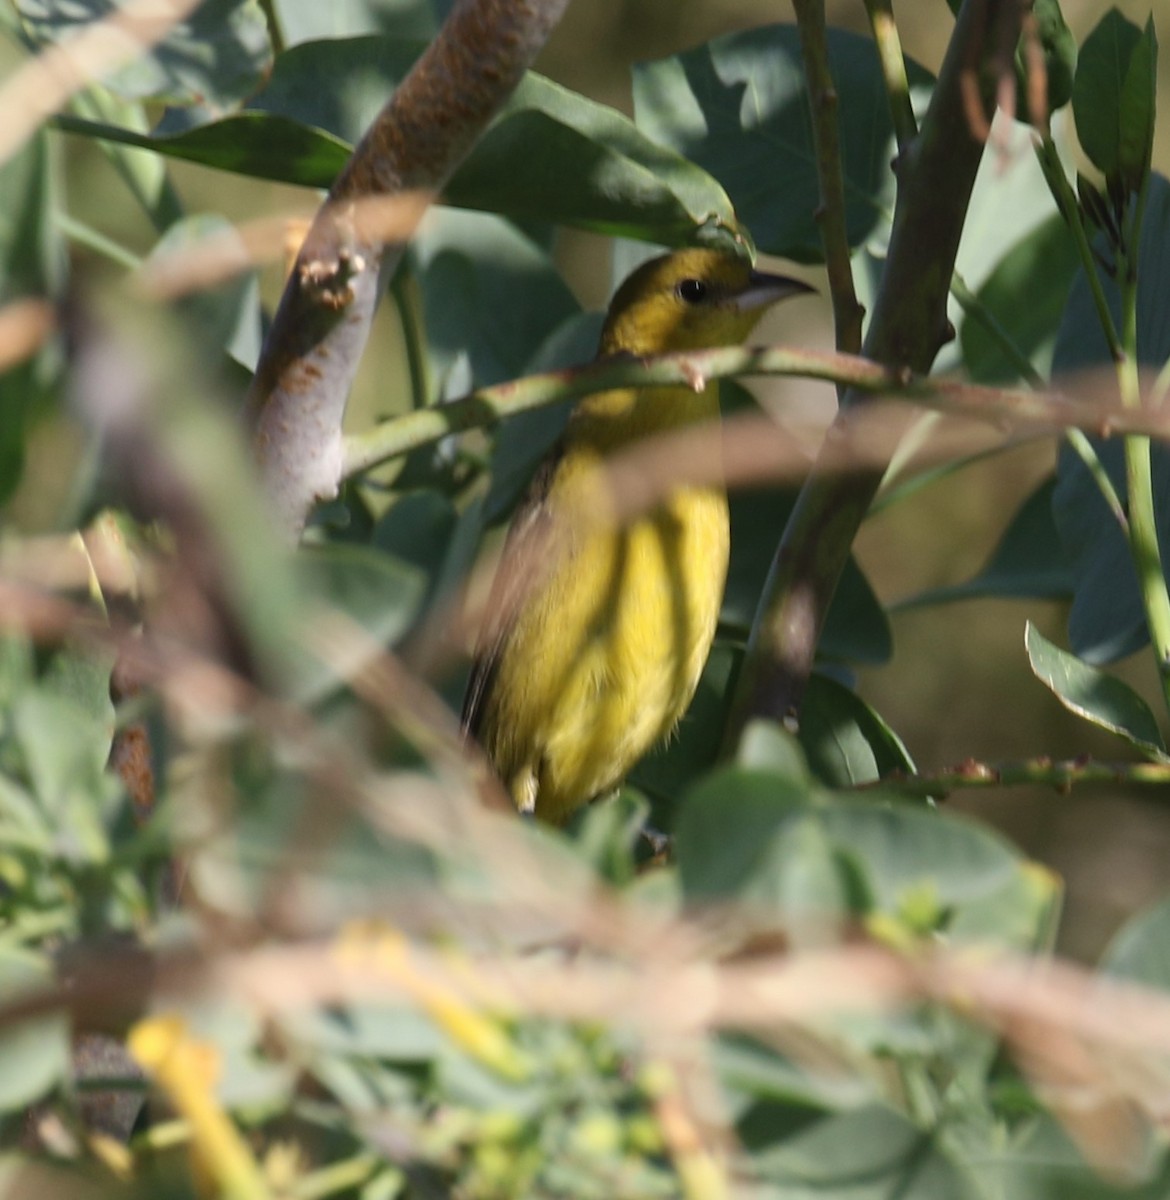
x=215 y=57
x=1024 y=295
x=308 y=20
x=675 y=764
x=1108 y=621
x=1099 y=87
x=32 y=264
x=1029 y=560
x=1089 y=692
x=489 y=295
x=35 y=1052
x=1140 y=950
x=417 y=530
x=552 y=155
x=1138 y=101
x=766 y=746
x=845 y=740
x=909 y=854
x=228 y=316
x=64 y=749
x=260 y=145
x=869 y=1153
x=738 y=106
x=379 y=593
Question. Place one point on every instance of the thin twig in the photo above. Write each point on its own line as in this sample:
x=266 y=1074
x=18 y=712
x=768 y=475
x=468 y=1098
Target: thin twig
x=847 y=312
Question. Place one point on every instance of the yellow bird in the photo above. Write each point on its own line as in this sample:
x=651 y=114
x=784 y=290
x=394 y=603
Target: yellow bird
x=598 y=631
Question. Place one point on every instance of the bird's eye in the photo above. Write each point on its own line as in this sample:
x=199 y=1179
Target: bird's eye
x=693 y=291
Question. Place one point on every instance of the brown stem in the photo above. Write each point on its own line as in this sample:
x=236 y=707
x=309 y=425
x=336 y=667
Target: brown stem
x=936 y=175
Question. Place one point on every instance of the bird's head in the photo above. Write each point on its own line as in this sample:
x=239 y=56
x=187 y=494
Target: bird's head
x=691 y=300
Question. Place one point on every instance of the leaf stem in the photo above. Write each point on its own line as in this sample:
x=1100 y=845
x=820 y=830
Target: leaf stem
x=1070 y=209
x=488 y=405
x=1043 y=771
x=847 y=312
x=1143 y=530
x=93 y=239
x=893 y=64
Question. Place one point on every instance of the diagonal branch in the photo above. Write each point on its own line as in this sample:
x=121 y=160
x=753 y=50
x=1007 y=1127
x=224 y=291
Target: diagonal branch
x=311 y=354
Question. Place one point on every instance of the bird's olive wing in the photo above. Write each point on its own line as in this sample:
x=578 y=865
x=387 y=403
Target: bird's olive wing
x=522 y=553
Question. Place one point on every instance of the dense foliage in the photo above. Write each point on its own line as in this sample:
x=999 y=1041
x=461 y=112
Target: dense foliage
x=263 y=864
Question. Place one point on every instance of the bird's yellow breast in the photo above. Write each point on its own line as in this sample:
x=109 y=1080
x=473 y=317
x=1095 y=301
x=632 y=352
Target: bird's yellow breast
x=612 y=635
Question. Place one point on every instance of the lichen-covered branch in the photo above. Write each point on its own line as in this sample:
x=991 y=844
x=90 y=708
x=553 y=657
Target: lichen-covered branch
x=310 y=357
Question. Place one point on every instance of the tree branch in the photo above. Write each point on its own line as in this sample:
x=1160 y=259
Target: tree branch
x=311 y=354
x=909 y=325
x=1016 y=408
x=847 y=313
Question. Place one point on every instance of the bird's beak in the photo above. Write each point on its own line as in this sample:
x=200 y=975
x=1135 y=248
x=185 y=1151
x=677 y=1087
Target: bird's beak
x=764 y=289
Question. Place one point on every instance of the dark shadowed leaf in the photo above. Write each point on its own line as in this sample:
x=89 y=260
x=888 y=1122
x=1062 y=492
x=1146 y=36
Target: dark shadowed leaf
x=738 y=106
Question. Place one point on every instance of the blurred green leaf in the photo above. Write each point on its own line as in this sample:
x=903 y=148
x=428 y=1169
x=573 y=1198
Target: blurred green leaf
x=32 y=265
x=307 y=20
x=1108 y=620
x=869 y=1153
x=738 y=106
x=227 y=316
x=765 y=745
x=379 y=593
x=1140 y=950
x=35 y=1052
x=215 y=57
x=1102 y=699
x=64 y=749
x=1028 y=561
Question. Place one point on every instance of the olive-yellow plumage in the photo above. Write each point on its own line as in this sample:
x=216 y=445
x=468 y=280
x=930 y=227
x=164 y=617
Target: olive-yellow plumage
x=599 y=630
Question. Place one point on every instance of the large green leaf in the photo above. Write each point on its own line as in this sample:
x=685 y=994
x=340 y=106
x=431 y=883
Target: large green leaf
x=35 y=1052
x=550 y=154
x=762 y=838
x=1113 y=97
x=1024 y=296
x=215 y=57
x=376 y=591
x=869 y=1153
x=260 y=145
x=738 y=106
x=1107 y=620
x=1100 y=698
